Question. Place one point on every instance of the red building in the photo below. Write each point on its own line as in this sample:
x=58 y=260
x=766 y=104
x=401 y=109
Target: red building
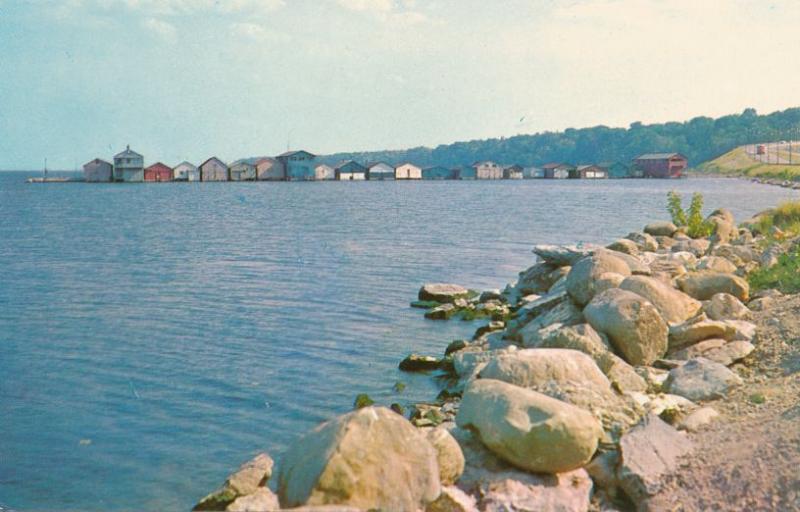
x=158 y=172
x=661 y=165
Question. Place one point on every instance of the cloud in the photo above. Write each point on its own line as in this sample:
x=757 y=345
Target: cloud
x=367 y=5
x=400 y=12
x=163 y=29
x=256 y=32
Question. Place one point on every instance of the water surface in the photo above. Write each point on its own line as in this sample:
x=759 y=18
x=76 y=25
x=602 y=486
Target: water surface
x=152 y=337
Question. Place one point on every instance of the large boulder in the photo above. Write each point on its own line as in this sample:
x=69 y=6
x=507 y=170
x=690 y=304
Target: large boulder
x=442 y=292
x=674 y=306
x=645 y=242
x=581 y=279
x=584 y=338
x=371 y=458
x=717 y=350
x=563 y=313
x=262 y=500
x=537 y=279
x=701 y=379
x=661 y=229
x=535 y=367
x=528 y=429
x=632 y=324
x=724 y=227
x=562 y=492
x=448 y=455
x=704 y=284
x=250 y=476
x=453 y=499
x=624 y=245
x=698 y=329
x=716 y=264
x=649 y=452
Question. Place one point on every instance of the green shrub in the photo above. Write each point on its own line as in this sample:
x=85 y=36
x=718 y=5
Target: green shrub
x=362 y=400
x=691 y=219
x=785 y=276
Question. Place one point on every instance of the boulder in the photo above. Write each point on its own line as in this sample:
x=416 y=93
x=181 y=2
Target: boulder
x=701 y=379
x=470 y=360
x=724 y=306
x=697 y=349
x=685 y=258
x=674 y=306
x=563 y=313
x=448 y=455
x=442 y=292
x=644 y=241
x=537 y=366
x=624 y=245
x=419 y=363
x=698 y=419
x=716 y=264
x=562 y=492
x=562 y=255
x=584 y=338
x=608 y=280
x=528 y=429
x=704 y=284
x=635 y=264
x=250 y=476
x=771 y=256
x=660 y=229
x=669 y=268
x=698 y=329
x=537 y=279
x=632 y=324
x=744 y=330
x=489 y=295
x=344 y=462
x=453 y=499
x=724 y=227
x=262 y=500
x=443 y=312
x=665 y=242
x=581 y=280
x=649 y=452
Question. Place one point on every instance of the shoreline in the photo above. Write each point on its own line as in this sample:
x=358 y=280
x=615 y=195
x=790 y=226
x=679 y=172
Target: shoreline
x=560 y=342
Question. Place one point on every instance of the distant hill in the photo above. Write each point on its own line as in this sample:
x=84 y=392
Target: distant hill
x=700 y=139
x=737 y=162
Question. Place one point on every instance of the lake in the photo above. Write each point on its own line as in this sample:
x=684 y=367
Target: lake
x=153 y=337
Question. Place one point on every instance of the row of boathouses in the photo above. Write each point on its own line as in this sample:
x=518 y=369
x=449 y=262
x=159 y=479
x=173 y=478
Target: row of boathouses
x=128 y=166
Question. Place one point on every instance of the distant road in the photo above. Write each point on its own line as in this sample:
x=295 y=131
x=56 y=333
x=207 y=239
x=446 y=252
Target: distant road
x=779 y=153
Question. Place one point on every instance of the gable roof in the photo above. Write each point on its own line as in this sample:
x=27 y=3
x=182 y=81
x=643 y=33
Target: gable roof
x=97 y=161
x=484 y=162
x=242 y=163
x=370 y=165
x=186 y=164
x=658 y=156
x=158 y=165
x=352 y=164
x=401 y=164
x=213 y=158
x=128 y=153
x=292 y=153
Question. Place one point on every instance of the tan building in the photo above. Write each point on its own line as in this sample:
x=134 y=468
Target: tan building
x=407 y=171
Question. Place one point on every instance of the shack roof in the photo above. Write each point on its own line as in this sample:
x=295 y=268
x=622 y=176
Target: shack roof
x=128 y=153
x=659 y=156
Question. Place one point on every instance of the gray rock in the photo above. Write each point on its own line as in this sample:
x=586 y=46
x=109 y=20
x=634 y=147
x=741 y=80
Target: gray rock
x=660 y=229
x=698 y=419
x=632 y=324
x=624 y=245
x=561 y=255
x=698 y=329
x=448 y=455
x=529 y=368
x=250 y=476
x=649 y=452
x=563 y=313
x=262 y=500
x=443 y=312
x=704 y=284
x=453 y=499
x=716 y=264
x=701 y=379
x=562 y=492
x=442 y=292
x=674 y=306
x=644 y=241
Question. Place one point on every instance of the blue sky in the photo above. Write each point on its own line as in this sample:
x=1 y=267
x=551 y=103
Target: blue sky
x=185 y=79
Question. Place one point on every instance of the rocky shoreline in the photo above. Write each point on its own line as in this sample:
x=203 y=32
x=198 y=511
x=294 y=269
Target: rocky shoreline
x=577 y=394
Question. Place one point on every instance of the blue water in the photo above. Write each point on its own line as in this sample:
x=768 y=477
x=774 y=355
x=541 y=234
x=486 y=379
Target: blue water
x=152 y=337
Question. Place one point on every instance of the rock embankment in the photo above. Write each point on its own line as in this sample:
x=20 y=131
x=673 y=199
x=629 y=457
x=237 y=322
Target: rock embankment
x=579 y=391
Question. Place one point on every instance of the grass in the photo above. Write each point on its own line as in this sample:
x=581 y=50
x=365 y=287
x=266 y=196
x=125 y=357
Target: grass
x=785 y=276
x=737 y=162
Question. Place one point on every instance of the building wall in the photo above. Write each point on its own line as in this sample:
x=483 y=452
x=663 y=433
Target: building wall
x=214 y=171
x=324 y=172
x=186 y=172
x=158 y=173
x=270 y=170
x=408 y=172
x=243 y=173
x=299 y=167
x=381 y=171
x=488 y=171
x=129 y=175
x=96 y=171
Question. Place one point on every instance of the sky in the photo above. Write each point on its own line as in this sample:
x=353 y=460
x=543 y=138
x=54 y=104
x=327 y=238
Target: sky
x=188 y=79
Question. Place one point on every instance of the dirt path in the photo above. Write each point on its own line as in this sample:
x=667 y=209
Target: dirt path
x=750 y=458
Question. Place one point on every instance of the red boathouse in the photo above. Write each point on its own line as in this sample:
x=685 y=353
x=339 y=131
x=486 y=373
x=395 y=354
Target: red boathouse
x=158 y=172
x=661 y=165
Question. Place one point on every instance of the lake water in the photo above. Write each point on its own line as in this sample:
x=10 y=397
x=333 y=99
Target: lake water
x=153 y=337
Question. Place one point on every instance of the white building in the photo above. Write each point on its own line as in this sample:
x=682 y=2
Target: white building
x=185 y=171
x=407 y=171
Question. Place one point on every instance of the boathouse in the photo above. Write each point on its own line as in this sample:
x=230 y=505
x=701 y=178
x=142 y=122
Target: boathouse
x=615 y=170
x=213 y=169
x=158 y=172
x=513 y=172
x=128 y=166
x=488 y=170
x=532 y=173
x=298 y=165
x=380 y=171
x=98 y=170
x=557 y=170
x=324 y=172
x=588 y=172
x=661 y=165
x=350 y=170
x=185 y=171
x=270 y=169
x=243 y=171
x=437 y=173
x=407 y=171
x=465 y=172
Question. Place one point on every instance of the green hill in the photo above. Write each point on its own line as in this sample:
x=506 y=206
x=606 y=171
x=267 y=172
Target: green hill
x=737 y=162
